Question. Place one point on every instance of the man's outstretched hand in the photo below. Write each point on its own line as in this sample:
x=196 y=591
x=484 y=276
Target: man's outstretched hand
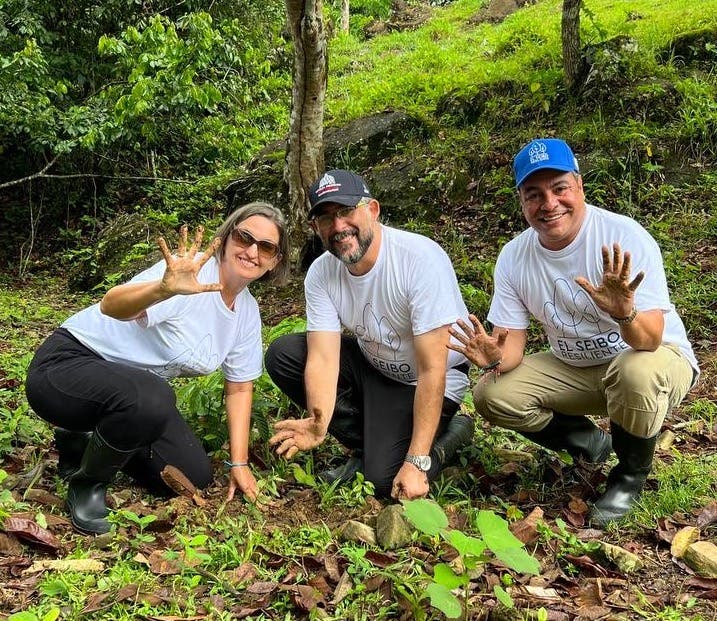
x=477 y=345
x=615 y=295
x=294 y=435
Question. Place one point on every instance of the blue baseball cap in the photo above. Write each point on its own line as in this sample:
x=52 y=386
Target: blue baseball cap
x=543 y=153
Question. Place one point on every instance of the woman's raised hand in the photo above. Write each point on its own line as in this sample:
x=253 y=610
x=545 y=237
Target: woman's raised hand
x=180 y=277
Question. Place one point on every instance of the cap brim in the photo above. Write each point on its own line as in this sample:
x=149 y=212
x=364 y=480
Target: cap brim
x=558 y=167
x=346 y=201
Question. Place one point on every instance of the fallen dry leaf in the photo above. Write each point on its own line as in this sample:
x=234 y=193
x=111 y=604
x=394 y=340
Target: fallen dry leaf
x=69 y=564
x=31 y=532
x=343 y=588
x=178 y=482
x=526 y=530
x=708 y=515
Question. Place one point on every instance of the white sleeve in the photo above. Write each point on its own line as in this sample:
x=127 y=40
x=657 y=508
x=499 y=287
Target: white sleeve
x=321 y=312
x=507 y=310
x=157 y=313
x=435 y=298
x=244 y=362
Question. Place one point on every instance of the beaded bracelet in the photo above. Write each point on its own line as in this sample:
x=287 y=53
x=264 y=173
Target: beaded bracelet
x=624 y=320
x=236 y=464
x=493 y=367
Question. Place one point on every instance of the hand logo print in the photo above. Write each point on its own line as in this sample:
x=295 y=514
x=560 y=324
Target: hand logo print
x=379 y=337
x=570 y=309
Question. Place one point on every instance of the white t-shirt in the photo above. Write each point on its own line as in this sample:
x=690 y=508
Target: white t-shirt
x=412 y=289
x=532 y=280
x=186 y=335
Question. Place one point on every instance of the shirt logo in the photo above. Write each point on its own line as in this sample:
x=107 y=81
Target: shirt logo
x=327 y=184
x=538 y=153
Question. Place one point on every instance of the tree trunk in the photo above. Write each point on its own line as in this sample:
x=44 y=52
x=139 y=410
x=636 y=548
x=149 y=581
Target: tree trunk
x=305 y=149
x=572 y=61
x=344 y=15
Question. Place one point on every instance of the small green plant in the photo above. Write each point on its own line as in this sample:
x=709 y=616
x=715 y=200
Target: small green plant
x=26 y=615
x=702 y=410
x=351 y=494
x=568 y=543
x=126 y=518
x=431 y=520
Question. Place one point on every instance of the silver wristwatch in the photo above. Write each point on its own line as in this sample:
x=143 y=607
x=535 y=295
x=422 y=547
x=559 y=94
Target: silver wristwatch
x=422 y=462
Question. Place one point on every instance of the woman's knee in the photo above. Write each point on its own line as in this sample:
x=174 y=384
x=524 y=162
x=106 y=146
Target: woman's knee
x=201 y=473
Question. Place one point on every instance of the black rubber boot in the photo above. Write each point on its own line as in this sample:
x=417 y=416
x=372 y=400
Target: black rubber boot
x=626 y=480
x=458 y=433
x=577 y=435
x=86 y=491
x=347 y=427
x=344 y=473
x=70 y=447
x=347 y=422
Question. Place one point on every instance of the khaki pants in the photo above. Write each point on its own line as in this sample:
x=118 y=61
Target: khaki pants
x=637 y=389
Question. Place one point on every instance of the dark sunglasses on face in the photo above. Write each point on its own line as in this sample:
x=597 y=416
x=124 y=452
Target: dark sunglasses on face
x=267 y=249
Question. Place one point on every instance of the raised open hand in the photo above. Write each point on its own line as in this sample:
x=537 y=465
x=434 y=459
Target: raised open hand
x=478 y=346
x=615 y=295
x=180 y=277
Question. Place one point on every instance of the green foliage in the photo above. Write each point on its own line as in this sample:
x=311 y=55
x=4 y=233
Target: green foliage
x=685 y=483
x=52 y=614
x=431 y=520
x=568 y=543
x=201 y=399
x=125 y=96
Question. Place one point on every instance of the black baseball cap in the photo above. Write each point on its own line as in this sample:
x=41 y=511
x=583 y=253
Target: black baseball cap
x=337 y=186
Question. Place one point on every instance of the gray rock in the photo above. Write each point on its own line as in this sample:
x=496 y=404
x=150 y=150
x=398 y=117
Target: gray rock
x=702 y=557
x=392 y=530
x=358 y=532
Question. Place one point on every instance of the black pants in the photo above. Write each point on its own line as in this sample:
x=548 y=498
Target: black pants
x=382 y=408
x=70 y=386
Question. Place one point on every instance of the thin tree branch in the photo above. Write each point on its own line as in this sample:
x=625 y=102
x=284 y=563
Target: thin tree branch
x=41 y=175
x=37 y=175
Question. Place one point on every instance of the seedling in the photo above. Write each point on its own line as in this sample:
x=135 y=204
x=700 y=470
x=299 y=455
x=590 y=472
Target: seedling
x=430 y=519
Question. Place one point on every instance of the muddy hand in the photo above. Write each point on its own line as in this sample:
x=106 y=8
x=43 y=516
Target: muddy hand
x=180 y=276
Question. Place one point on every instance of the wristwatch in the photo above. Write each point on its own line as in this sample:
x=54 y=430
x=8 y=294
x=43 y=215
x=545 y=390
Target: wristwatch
x=422 y=462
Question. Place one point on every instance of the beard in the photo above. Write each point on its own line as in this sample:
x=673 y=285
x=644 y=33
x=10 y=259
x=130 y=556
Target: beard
x=350 y=257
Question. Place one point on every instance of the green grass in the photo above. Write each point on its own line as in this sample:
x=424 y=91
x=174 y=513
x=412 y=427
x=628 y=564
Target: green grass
x=412 y=70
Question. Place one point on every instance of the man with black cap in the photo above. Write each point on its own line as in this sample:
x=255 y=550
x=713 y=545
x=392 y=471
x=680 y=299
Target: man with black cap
x=392 y=386
x=617 y=346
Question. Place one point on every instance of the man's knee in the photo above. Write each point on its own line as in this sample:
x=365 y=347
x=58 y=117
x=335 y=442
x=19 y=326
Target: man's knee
x=489 y=402
x=509 y=407
x=285 y=354
x=630 y=372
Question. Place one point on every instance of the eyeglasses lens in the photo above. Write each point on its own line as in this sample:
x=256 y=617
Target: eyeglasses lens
x=245 y=239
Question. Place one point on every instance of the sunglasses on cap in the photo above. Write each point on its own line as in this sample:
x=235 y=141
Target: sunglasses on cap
x=267 y=249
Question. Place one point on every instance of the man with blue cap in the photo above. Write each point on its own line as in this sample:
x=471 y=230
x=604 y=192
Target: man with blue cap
x=595 y=282
x=373 y=368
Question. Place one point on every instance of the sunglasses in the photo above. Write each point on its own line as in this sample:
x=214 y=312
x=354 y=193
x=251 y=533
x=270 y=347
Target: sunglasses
x=267 y=249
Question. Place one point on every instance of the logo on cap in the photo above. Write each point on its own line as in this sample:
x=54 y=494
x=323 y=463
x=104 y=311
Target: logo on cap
x=326 y=185
x=538 y=153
